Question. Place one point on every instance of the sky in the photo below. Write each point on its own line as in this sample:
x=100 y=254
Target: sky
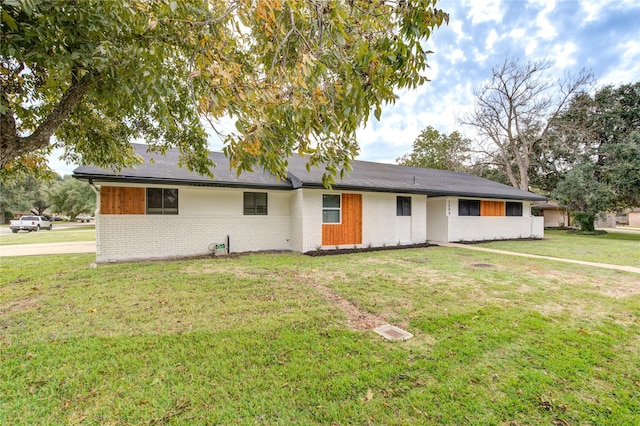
x=602 y=36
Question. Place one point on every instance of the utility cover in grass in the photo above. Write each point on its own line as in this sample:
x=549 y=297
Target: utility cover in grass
x=393 y=333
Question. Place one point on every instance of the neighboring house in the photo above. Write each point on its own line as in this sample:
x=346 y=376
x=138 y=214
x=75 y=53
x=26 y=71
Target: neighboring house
x=554 y=216
x=159 y=210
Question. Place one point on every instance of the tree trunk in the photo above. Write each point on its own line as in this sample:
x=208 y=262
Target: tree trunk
x=586 y=221
x=12 y=145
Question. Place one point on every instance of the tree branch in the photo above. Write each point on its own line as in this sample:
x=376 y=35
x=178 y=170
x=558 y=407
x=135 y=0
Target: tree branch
x=13 y=145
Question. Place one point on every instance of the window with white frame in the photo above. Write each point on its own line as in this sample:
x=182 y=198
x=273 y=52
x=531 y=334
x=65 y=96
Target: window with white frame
x=331 y=208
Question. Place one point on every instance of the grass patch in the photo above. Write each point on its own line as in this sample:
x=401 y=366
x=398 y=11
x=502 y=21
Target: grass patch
x=248 y=340
x=86 y=233
x=613 y=248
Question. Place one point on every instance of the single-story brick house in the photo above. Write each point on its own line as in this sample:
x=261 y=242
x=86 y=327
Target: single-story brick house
x=159 y=210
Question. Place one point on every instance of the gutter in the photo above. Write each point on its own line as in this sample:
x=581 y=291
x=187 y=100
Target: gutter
x=183 y=182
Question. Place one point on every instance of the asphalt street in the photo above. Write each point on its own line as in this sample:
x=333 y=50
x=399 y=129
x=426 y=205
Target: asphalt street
x=46 y=248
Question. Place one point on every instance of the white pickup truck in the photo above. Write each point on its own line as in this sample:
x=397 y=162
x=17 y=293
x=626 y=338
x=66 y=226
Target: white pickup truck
x=30 y=223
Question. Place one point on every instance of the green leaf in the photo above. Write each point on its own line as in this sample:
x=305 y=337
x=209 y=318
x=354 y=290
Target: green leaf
x=7 y=19
x=377 y=112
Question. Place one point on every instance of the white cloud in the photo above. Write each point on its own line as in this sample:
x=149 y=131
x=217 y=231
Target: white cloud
x=594 y=9
x=531 y=47
x=562 y=55
x=456 y=27
x=479 y=57
x=455 y=56
x=517 y=33
x=402 y=123
x=546 y=29
x=491 y=39
x=628 y=70
x=484 y=11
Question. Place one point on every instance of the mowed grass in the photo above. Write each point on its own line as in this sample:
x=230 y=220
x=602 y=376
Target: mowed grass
x=251 y=340
x=68 y=235
x=614 y=248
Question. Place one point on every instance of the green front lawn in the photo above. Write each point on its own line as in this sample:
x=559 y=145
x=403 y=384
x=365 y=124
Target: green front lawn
x=614 y=248
x=85 y=233
x=277 y=339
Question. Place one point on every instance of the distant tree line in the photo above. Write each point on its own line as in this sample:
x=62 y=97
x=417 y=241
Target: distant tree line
x=54 y=194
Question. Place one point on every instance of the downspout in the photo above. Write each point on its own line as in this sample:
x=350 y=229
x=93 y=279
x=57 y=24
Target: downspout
x=96 y=215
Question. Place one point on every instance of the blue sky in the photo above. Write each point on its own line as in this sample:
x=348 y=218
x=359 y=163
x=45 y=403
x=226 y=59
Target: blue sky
x=600 y=35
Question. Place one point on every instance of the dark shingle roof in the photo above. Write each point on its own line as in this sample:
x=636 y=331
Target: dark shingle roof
x=164 y=170
x=365 y=176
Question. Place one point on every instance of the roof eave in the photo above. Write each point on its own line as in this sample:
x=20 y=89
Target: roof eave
x=179 y=182
x=429 y=193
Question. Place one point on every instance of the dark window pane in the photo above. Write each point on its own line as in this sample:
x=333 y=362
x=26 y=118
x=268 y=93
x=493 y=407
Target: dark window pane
x=513 y=208
x=261 y=200
x=162 y=201
x=255 y=203
x=154 y=200
x=330 y=200
x=169 y=201
x=474 y=208
x=330 y=216
x=170 y=198
x=403 y=206
x=249 y=203
x=468 y=208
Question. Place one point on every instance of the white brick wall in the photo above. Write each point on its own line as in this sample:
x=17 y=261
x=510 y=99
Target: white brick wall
x=379 y=219
x=294 y=222
x=129 y=237
x=297 y=214
x=445 y=225
x=476 y=228
x=205 y=216
x=312 y=219
x=437 y=220
x=418 y=219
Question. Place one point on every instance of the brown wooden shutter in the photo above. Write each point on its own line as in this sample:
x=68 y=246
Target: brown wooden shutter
x=492 y=208
x=122 y=200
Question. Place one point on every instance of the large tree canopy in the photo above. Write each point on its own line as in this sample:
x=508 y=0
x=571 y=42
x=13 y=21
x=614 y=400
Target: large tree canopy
x=599 y=140
x=436 y=150
x=513 y=111
x=71 y=197
x=297 y=76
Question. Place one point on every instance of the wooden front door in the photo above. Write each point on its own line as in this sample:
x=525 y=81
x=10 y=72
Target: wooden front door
x=350 y=230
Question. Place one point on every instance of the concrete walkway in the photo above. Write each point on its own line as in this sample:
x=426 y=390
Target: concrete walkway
x=536 y=256
x=47 y=248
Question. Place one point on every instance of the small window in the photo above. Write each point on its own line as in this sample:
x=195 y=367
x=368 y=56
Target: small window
x=403 y=206
x=162 y=201
x=513 y=209
x=255 y=203
x=468 y=207
x=331 y=208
